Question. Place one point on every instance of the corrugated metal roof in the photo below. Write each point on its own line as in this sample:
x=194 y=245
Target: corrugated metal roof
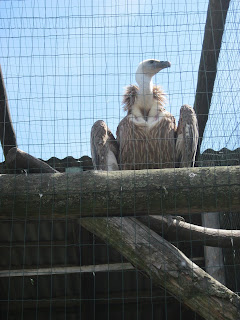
x=208 y=158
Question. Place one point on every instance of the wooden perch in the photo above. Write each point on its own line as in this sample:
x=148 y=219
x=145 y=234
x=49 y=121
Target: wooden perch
x=144 y=192
x=7 y=133
x=190 y=232
x=214 y=28
x=19 y=160
x=167 y=266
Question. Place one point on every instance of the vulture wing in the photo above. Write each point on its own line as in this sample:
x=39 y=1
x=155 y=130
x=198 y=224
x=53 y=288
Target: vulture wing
x=104 y=147
x=187 y=137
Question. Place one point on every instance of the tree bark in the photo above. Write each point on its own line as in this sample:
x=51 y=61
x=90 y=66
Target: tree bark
x=167 y=266
x=7 y=133
x=144 y=192
x=18 y=160
x=190 y=232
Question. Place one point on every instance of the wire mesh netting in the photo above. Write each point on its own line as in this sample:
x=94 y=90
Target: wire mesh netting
x=65 y=65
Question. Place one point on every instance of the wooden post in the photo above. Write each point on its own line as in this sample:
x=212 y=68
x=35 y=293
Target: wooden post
x=213 y=256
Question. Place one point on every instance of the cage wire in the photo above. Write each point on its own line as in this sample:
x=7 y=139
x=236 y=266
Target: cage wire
x=222 y=129
x=65 y=66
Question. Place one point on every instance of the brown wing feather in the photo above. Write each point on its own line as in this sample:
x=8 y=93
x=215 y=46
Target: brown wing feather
x=104 y=147
x=187 y=137
x=162 y=146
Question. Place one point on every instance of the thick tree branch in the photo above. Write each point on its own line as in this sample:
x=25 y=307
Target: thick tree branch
x=94 y=193
x=190 y=232
x=17 y=160
x=167 y=266
x=7 y=133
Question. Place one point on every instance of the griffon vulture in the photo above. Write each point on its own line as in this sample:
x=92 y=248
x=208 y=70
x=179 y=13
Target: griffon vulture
x=147 y=137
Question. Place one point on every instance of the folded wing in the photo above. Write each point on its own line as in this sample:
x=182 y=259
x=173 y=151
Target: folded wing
x=187 y=137
x=104 y=147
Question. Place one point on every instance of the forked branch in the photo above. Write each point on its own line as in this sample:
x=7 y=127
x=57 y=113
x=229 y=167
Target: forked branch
x=190 y=232
x=167 y=266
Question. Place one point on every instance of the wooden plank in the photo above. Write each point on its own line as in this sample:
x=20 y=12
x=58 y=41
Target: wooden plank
x=167 y=267
x=142 y=192
x=114 y=267
x=157 y=296
x=39 y=244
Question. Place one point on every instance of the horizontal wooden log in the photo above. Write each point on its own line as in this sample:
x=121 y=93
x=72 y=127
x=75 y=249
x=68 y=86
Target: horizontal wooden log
x=112 y=267
x=167 y=266
x=190 y=232
x=17 y=160
x=144 y=192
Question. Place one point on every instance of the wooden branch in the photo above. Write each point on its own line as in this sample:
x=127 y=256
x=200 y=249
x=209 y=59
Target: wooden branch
x=7 y=133
x=190 y=232
x=66 y=270
x=167 y=266
x=18 y=160
x=214 y=28
x=95 y=193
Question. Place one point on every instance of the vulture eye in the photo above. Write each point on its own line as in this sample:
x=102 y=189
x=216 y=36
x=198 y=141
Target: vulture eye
x=151 y=61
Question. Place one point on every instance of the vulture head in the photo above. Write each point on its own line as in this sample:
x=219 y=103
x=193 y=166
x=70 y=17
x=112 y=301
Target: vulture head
x=148 y=68
x=138 y=100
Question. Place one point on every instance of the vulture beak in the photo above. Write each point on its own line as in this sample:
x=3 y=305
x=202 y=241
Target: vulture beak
x=163 y=64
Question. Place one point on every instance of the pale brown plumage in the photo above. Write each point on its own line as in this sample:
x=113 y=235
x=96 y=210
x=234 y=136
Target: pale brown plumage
x=148 y=137
x=131 y=92
x=141 y=147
